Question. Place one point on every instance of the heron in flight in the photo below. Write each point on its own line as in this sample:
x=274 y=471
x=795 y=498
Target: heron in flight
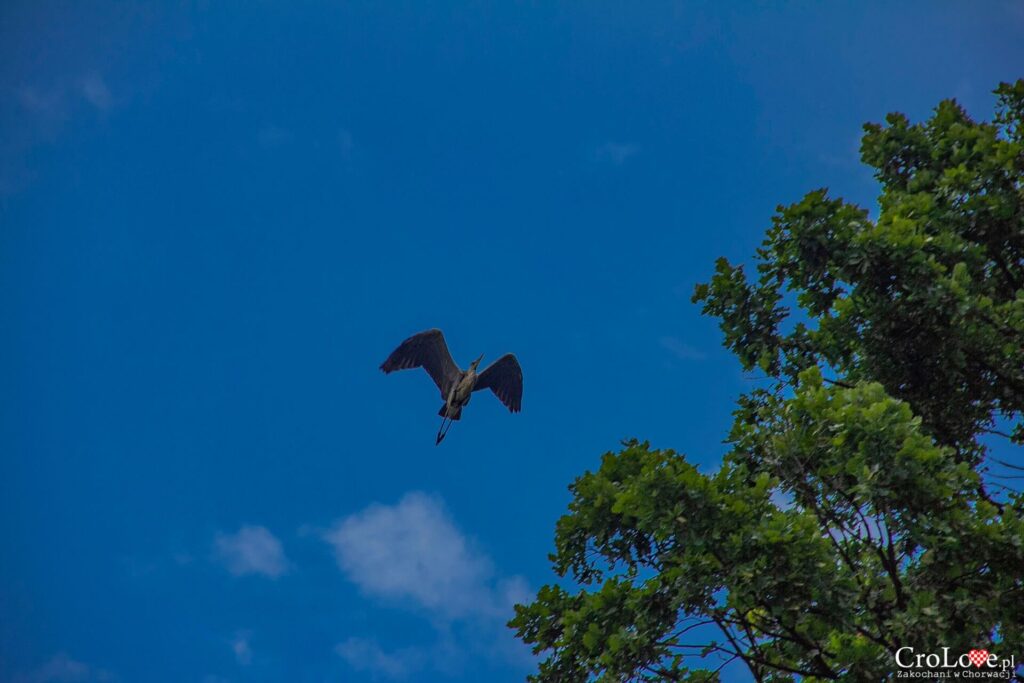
x=428 y=350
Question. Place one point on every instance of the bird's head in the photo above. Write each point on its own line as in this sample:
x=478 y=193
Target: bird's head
x=474 y=364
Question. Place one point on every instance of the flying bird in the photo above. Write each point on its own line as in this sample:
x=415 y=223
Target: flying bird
x=428 y=350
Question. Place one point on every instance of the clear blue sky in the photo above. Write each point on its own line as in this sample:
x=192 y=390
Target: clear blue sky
x=218 y=218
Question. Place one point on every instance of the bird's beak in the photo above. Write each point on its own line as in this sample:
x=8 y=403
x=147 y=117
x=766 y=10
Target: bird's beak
x=479 y=359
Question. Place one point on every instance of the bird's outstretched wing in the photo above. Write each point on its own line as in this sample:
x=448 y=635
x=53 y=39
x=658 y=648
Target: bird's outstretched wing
x=505 y=378
x=426 y=350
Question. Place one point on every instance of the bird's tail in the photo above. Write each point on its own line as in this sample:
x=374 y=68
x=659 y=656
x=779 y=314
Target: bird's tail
x=455 y=414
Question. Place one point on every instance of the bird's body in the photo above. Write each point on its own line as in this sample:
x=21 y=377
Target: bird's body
x=460 y=394
x=428 y=350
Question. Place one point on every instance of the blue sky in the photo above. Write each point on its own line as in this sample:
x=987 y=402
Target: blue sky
x=218 y=218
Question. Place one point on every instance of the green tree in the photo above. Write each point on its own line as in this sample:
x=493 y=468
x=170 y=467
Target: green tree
x=907 y=349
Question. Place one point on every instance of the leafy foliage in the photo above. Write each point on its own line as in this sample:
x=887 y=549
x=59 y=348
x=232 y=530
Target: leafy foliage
x=929 y=300
x=851 y=516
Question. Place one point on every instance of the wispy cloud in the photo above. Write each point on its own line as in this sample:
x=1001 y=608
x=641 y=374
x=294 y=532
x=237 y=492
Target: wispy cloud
x=412 y=554
x=240 y=646
x=251 y=550
x=40 y=115
x=54 y=103
x=616 y=153
x=63 y=669
x=45 y=106
x=273 y=137
x=364 y=654
x=95 y=91
x=681 y=349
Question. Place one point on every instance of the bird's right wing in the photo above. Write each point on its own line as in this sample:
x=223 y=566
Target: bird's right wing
x=429 y=351
x=505 y=378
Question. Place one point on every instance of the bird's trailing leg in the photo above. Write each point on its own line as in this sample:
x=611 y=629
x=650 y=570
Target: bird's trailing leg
x=446 y=415
x=443 y=431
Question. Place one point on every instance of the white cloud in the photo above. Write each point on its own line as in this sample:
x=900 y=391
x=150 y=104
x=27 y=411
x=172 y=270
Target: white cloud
x=53 y=104
x=272 y=137
x=95 y=91
x=363 y=654
x=681 y=349
x=412 y=554
x=616 y=152
x=252 y=550
x=63 y=669
x=514 y=591
x=240 y=646
x=413 y=551
x=45 y=111
x=48 y=105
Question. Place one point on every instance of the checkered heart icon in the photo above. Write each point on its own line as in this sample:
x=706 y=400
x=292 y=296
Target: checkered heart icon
x=978 y=657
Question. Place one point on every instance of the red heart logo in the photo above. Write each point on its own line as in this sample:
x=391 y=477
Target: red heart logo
x=978 y=657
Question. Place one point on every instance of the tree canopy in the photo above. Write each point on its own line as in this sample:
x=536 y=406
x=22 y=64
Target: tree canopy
x=855 y=512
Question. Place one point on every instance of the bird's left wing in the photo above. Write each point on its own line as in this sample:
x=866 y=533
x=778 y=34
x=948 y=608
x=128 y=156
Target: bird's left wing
x=505 y=378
